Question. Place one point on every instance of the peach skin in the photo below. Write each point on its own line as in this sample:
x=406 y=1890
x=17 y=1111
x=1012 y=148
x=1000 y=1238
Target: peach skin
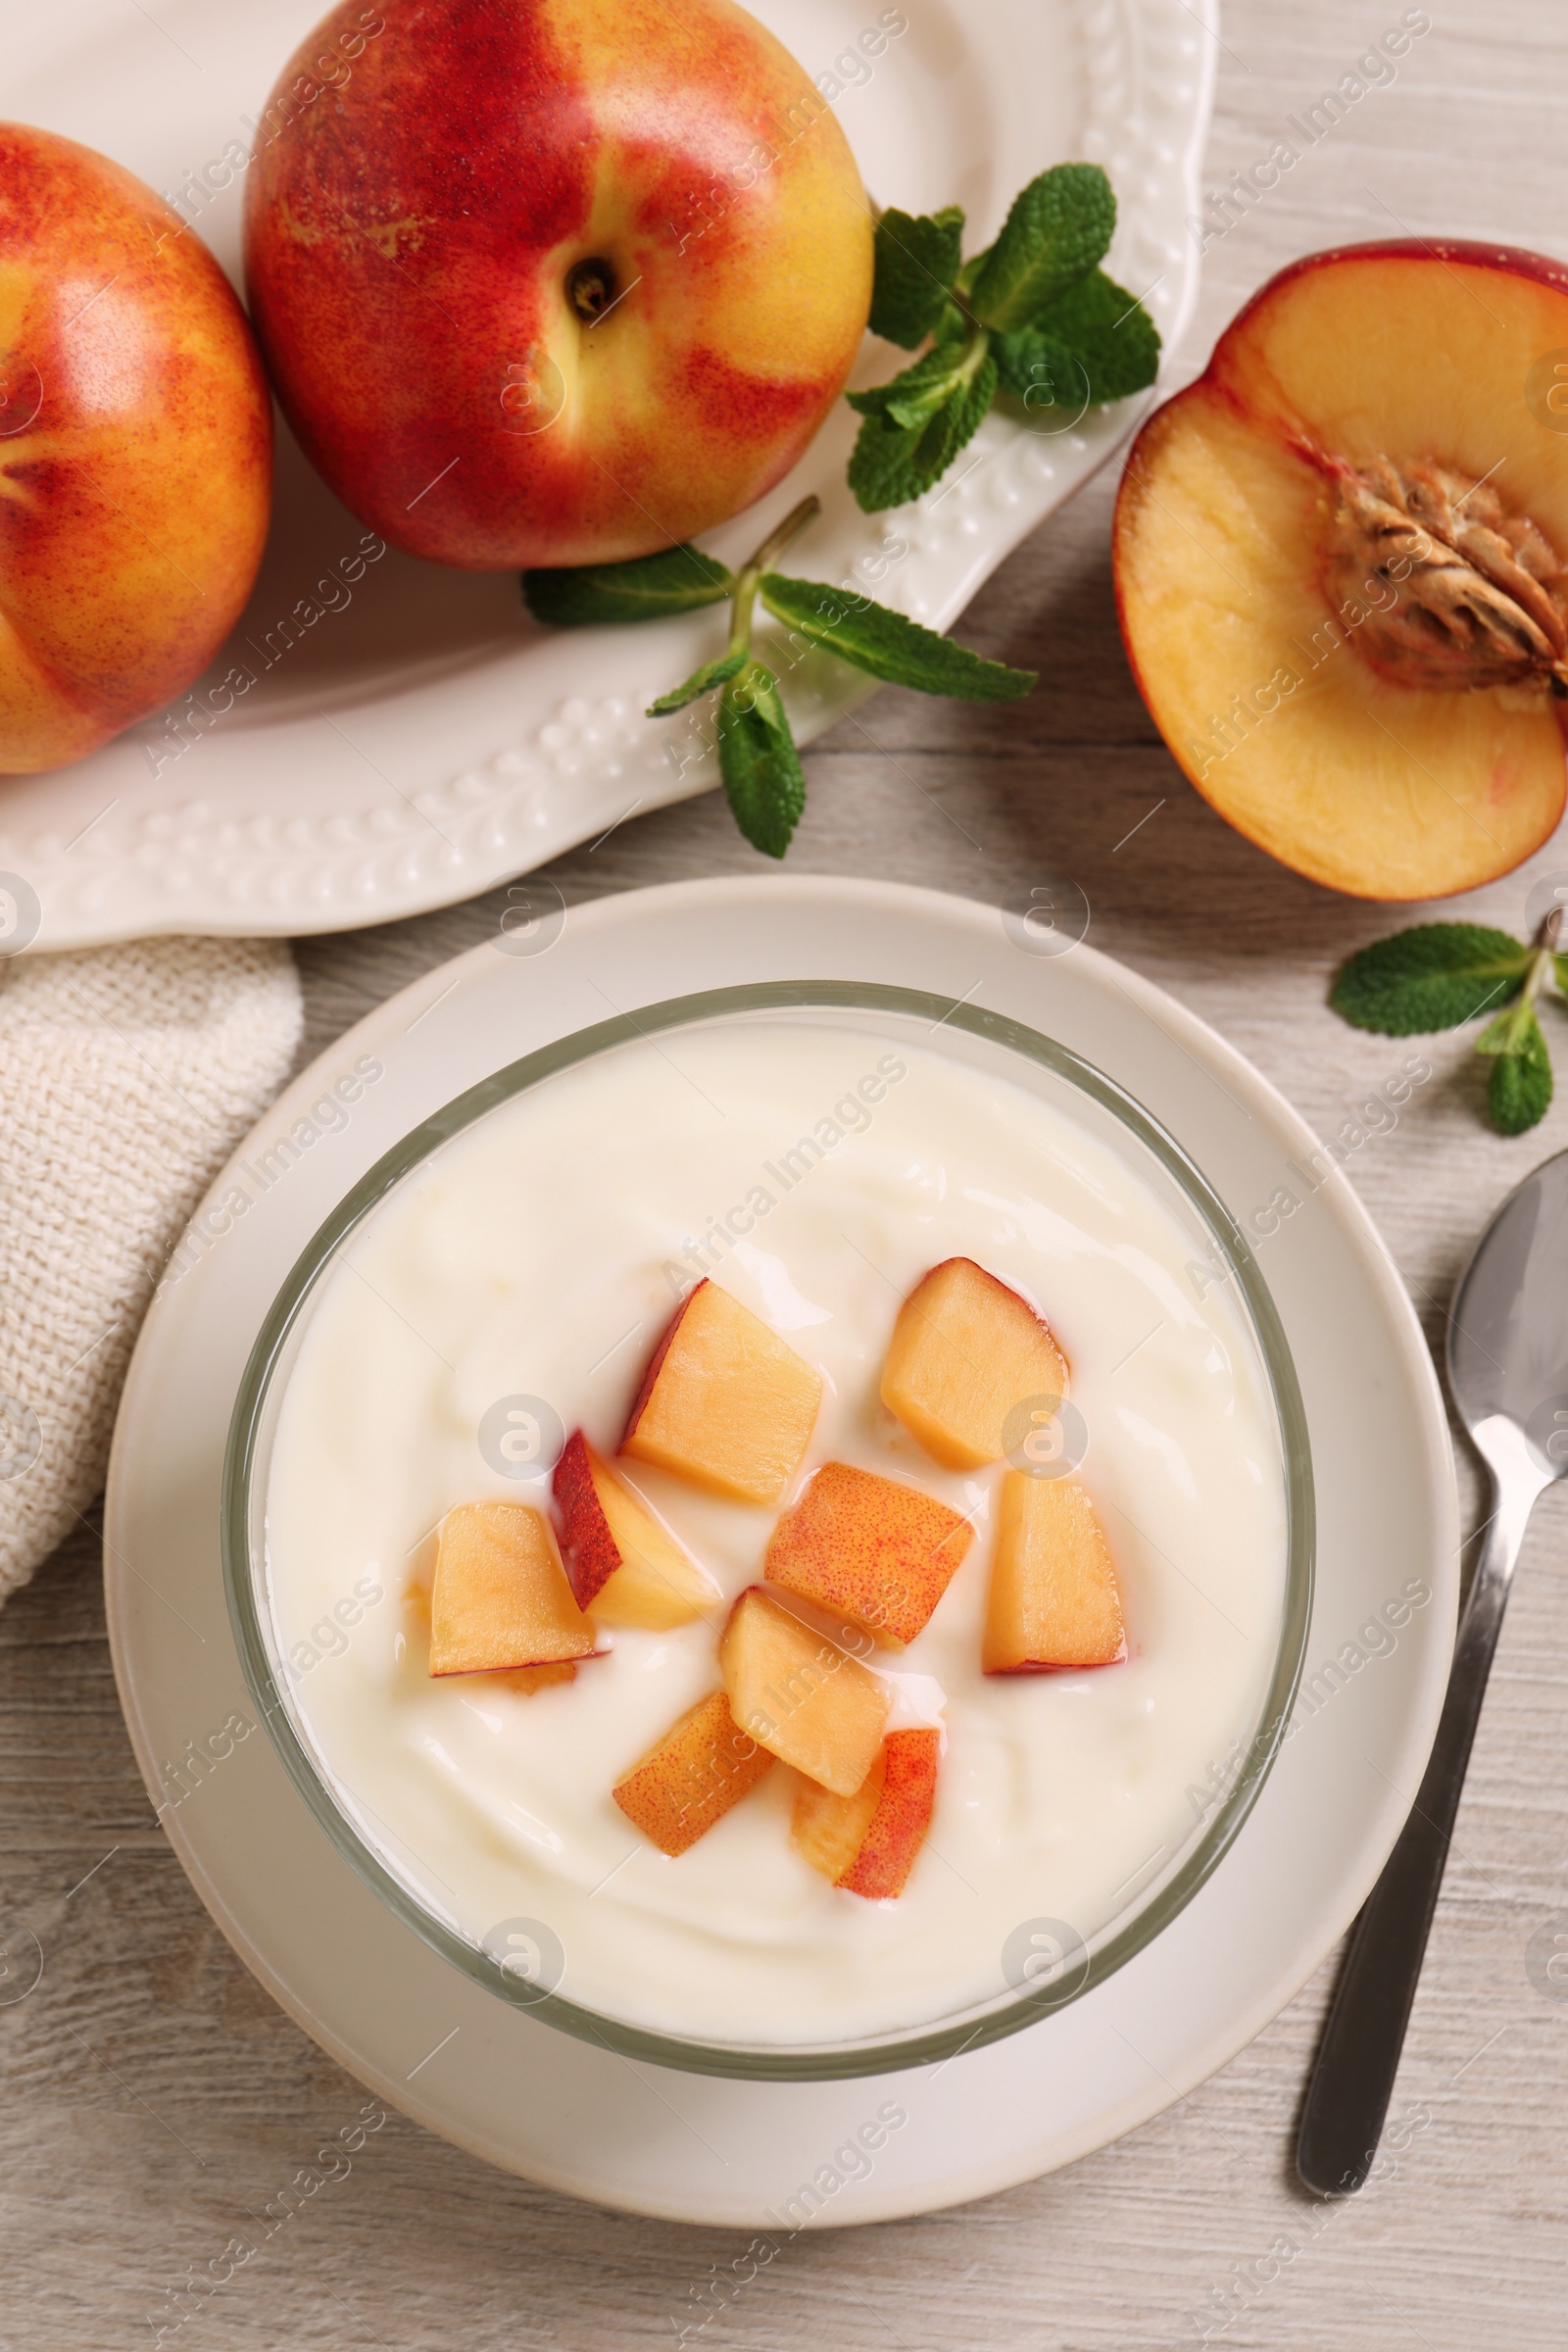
x=135 y=452
x=702 y=1767
x=870 y=1548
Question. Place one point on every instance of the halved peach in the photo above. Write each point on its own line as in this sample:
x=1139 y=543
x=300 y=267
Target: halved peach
x=1340 y=567
x=868 y=1548
x=724 y=1402
x=623 y=1564
x=867 y=1843
x=500 y=1599
x=1055 y=1599
x=703 y=1766
x=965 y=1351
x=805 y=1699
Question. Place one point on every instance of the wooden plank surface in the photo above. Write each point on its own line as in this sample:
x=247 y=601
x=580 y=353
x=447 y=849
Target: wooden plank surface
x=152 y=2092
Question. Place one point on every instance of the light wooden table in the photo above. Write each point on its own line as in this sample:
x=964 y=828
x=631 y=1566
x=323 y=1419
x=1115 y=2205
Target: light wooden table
x=151 y=2091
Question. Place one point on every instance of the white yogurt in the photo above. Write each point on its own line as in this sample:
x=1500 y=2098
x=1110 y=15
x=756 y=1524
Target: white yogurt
x=541 y=1254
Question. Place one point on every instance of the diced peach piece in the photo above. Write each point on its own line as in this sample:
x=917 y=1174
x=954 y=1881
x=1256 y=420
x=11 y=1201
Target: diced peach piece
x=803 y=1697
x=524 y=1680
x=868 y=1843
x=868 y=1548
x=1055 y=1599
x=724 y=1402
x=966 y=1350
x=500 y=1599
x=623 y=1564
x=829 y=1830
x=703 y=1765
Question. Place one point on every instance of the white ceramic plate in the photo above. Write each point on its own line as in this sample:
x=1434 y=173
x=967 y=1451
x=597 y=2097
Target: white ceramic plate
x=699 y=2149
x=424 y=740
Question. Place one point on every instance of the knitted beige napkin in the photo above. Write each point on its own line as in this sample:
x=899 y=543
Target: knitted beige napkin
x=127 y=1075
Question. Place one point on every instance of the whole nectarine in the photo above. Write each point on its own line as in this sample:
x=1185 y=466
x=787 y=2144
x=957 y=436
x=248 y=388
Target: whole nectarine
x=1342 y=566
x=557 y=281
x=135 y=452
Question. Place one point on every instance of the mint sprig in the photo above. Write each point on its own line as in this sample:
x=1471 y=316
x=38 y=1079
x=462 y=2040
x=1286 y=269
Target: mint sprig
x=756 y=754
x=1034 y=317
x=1442 y=975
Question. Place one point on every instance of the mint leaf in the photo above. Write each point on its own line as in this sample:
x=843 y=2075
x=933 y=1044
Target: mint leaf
x=953 y=325
x=1040 y=371
x=916 y=393
x=888 y=645
x=917 y=259
x=676 y=580
x=1095 y=342
x=1057 y=230
x=1519 y=1090
x=893 y=463
x=1435 y=976
x=702 y=681
x=758 y=761
x=1509 y=1033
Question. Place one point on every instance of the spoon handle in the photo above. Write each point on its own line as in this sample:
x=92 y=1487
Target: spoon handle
x=1358 y=2056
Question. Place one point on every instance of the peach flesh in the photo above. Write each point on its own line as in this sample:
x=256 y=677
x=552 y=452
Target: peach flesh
x=500 y=1599
x=965 y=1351
x=800 y=1697
x=724 y=1401
x=1055 y=1599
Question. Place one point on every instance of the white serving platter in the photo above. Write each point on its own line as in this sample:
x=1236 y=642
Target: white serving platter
x=425 y=740
x=697 y=2148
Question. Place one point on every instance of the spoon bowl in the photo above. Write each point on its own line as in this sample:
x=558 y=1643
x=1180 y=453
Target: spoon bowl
x=1508 y=1330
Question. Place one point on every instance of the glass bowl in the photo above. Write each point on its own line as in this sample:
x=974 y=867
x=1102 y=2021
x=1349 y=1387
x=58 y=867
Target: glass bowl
x=1053 y=1974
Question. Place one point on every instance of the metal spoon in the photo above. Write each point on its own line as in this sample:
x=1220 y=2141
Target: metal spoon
x=1508 y=1370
